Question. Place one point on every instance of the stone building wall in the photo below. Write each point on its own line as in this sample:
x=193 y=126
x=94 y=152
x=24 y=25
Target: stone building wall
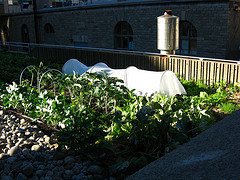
x=95 y=25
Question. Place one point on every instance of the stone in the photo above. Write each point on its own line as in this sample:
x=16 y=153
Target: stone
x=40 y=173
x=36 y=148
x=21 y=177
x=49 y=173
x=47 y=139
x=98 y=177
x=68 y=162
x=27 y=133
x=48 y=178
x=33 y=178
x=94 y=169
x=7 y=168
x=81 y=176
x=22 y=121
x=58 y=155
x=69 y=172
x=3 y=156
x=28 y=170
x=26 y=153
x=36 y=163
x=17 y=166
x=1 y=112
x=90 y=177
x=14 y=150
x=7 y=178
x=77 y=169
x=11 y=160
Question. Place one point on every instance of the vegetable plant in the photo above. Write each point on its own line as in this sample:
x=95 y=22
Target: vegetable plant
x=103 y=120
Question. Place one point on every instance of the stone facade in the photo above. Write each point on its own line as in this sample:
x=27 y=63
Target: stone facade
x=216 y=22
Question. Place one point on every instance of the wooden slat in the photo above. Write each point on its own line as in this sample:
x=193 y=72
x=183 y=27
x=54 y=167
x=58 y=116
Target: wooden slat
x=210 y=71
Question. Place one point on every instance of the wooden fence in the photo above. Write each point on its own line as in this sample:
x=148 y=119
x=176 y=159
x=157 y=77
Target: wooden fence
x=210 y=70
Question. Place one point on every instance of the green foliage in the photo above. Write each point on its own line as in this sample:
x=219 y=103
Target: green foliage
x=11 y=65
x=102 y=119
x=228 y=107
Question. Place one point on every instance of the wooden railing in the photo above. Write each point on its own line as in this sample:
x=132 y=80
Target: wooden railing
x=210 y=70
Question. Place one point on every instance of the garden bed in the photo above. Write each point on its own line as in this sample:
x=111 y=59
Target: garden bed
x=103 y=121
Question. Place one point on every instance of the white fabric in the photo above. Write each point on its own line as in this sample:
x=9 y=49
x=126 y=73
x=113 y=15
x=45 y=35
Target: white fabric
x=144 y=82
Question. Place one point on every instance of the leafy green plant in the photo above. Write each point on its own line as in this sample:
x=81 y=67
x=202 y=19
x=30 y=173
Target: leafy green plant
x=96 y=114
x=228 y=107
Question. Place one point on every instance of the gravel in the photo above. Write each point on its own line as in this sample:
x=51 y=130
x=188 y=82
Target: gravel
x=27 y=153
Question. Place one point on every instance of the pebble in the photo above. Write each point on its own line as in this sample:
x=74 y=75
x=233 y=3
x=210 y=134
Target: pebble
x=27 y=153
x=94 y=169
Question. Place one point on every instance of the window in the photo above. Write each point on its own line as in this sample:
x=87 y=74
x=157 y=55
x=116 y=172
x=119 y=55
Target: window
x=12 y=2
x=48 y=28
x=25 y=34
x=123 y=36
x=187 y=39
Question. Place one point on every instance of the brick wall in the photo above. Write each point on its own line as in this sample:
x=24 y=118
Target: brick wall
x=96 y=25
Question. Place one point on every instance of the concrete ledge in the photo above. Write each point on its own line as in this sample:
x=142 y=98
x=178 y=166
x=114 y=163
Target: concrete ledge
x=214 y=154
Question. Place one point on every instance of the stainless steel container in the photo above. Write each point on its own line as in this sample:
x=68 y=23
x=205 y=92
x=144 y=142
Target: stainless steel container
x=167 y=33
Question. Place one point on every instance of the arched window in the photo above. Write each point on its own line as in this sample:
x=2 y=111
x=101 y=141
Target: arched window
x=25 y=34
x=187 y=38
x=123 y=36
x=5 y=33
x=48 y=28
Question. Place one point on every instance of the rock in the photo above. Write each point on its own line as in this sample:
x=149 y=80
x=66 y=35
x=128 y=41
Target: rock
x=7 y=168
x=17 y=166
x=7 y=178
x=90 y=177
x=42 y=167
x=68 y=162
x=58 y=178
x=14 y=150
x=40 y=173
x=21 y=177
x=33 y=178
x=1 y=112
x=48 y=178
x=77 y=169
x=59 y=174
x=36 y=163
x=20 y=141
x=36 y=148
x=47 y=139
x=69 y=172
x=98 y=177
x=49 y=173
x=3 y=156
x=58 y=155
x=26 y=153
x=2 y=145
x=53 y=139
x=27 y=133
x=28 y=170
x=81 y=176
x=11 y=160
x=22 y=121
x=71 y=153
x=94 y=169
x=60 y=162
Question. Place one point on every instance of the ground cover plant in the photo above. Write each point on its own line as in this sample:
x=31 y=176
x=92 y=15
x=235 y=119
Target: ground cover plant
x=11 y=65
x=101 y=119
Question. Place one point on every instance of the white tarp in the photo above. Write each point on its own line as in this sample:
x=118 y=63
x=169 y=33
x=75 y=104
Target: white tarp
x=144 y=82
